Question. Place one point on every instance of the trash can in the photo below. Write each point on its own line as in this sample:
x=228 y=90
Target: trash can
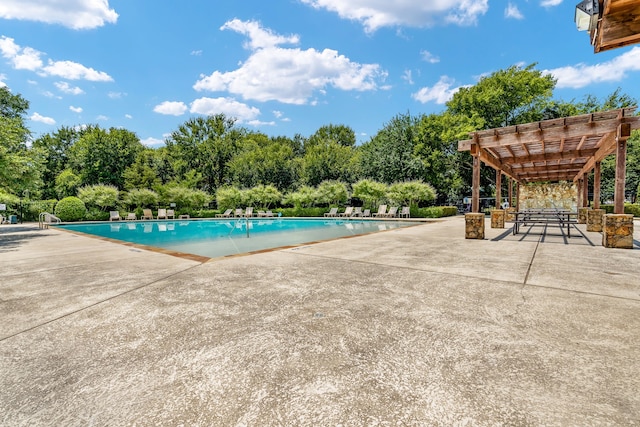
x=13 y=219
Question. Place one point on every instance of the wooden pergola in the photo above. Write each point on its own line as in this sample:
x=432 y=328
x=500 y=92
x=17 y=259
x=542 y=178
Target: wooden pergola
x=564 y=149
x=618 y=25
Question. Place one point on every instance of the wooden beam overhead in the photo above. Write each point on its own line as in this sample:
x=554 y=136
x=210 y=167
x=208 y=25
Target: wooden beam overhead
x=557 y=149
x=619 y=25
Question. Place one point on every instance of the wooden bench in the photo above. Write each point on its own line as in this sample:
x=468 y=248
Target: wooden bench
x=544 y=216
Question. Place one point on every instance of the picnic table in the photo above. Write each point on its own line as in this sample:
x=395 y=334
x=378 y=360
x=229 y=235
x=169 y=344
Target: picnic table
x=545 y=216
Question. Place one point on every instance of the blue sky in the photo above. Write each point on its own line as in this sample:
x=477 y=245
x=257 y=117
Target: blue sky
x=284 y=66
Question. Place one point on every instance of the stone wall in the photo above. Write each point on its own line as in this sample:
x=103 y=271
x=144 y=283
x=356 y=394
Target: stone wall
x=559 y=195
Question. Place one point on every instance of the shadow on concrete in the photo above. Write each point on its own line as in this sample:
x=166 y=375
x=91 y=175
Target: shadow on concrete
x=12 y=237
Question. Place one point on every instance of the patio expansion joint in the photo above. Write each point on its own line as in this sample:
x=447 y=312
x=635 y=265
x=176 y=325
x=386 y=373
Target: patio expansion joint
x=113 y=297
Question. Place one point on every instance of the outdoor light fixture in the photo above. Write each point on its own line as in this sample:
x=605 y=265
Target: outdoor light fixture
x=587 y=14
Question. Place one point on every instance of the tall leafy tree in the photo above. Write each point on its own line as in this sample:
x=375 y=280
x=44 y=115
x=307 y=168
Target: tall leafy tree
x=101 y=156
x=389 y=156
x=207 y=145
x=504 y=98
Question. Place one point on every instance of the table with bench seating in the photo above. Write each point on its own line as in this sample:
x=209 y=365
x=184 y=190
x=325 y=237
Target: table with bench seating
x=560 y=217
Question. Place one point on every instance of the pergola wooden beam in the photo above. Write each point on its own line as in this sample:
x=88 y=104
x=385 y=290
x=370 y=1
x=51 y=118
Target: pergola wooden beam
x=564 y=149
x=619 y=25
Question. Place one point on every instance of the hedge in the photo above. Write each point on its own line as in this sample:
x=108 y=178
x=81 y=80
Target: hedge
x=633 y=209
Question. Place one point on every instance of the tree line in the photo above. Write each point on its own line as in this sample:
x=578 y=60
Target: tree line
x=215 y=155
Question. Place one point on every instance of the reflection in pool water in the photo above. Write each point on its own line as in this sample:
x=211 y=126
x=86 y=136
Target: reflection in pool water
x=214 y=238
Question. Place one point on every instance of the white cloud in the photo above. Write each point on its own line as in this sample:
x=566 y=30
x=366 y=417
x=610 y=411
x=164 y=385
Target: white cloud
x=288 y=75
x=171 y=108
x=3 y=77
x=128 y=116
x=21 y=58
x=75 y=109
x=228 y=106
x=73 y=71
x=513 y=12
x=408 y=76
x=28 y=58
x=583 y=75
x=549 y=3
x=196 y=52
x=256 y=123
x=102 y=118
x=152 y=142
x=75 y=14
x=376 y=14
x=67 y=88
x=116 y=95
x=429 y=57
x=42 y=119
x=441 y=92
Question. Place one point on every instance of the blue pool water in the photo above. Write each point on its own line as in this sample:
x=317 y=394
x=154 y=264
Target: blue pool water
x=215 y=238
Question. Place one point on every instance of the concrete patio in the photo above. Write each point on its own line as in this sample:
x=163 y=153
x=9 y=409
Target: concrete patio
x=410 y=327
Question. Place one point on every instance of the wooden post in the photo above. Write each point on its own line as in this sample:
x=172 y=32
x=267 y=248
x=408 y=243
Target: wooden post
x=596 y=186
x=498 y=189
x=585 y=191
x=621 y=160
x=510 y=192
x=475 y=190
x=580 y=191
x=517 y=195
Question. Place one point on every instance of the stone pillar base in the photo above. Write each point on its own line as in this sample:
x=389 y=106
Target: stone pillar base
x=595 y=218
x=474 y=226
x=510 y=214
x=497 y=218
x=582 y=215
x=618 y=231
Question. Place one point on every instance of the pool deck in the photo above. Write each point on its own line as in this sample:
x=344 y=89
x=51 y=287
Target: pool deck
x=409 y=327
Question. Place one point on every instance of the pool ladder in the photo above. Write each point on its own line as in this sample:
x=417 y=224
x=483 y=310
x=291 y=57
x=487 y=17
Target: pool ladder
x=239 y=221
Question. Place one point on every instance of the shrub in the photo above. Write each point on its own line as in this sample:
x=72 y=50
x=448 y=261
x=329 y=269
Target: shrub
x=408 y=193
x=629 y=208
x=101 y=196
x=229 y=198
x=70 y=209
x=141 y=198
x=301 y=212
x=187 y=198
x=265 y=195
x=36 y=207
x=371 y=192
x=435 y=212
x=303 y=198
x=95 y=214
x=332 y=193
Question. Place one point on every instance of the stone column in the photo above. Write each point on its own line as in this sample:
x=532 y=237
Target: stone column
x=582 y=215
x=474 y=226
x=510 y=214
x=595 y=218
x=618 y=231
x=497 y=218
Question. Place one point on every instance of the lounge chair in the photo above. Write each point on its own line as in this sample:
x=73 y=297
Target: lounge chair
x=146 y=214
x=357 y=211
x=171 y=214
x=162 y=214
x=382 y=211
x=347 y=211
x=366 y=213
x=393 y=211
x=114 y=216
x=262 y=214
x=405 y=212
x=248 y=212
x=225 y=214
x=131 y=216
x=238 y=212
x=269 y=214
x=332 y=212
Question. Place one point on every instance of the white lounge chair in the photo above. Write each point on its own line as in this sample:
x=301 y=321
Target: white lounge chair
x=146 y=214
x=382 y=211
x=225 y=214
x=332 y=212
x=347 y=211
x=114 y=216
x=405 y=212
x=393 y=211
x=162 y=214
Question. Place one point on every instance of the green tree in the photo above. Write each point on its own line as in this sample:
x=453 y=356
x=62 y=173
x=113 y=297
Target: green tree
x=332 y=192
x=141 y=198
x=389 y=156
x=67 y=183
x=304 y=197
x=206 y=145
x=371 y=192
x=410 y=193
x=340 y=134
x=265 y=195
x=101 y=156
x=504 y=98
x=100 y=196
x=327 y=160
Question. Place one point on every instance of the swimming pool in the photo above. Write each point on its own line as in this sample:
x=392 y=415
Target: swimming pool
x=215 y=238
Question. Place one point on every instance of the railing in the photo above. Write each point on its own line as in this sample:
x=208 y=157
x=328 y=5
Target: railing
x=239 y=222
x=45 y=218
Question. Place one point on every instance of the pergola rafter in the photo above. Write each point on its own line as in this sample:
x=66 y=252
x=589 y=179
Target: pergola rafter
x=564 y=149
